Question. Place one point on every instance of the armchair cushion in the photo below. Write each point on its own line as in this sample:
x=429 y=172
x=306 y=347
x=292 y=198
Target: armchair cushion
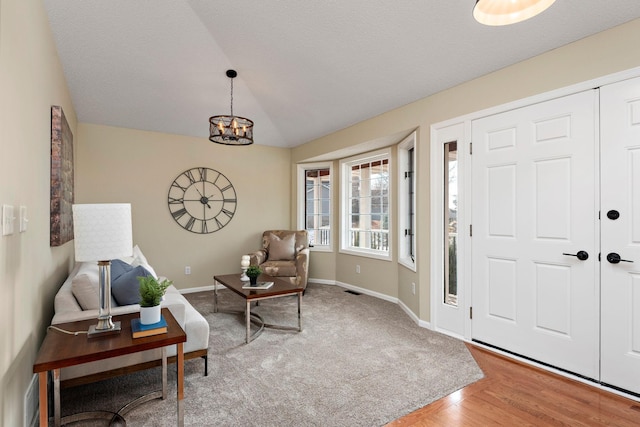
x=279 y=268
x=282 y=249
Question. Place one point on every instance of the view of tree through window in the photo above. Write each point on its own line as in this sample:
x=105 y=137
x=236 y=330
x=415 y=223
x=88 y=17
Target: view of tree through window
x=451 y=223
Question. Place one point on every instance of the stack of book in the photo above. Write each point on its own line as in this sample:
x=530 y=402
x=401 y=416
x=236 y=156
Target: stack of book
x=258 y=285
x=139 y=330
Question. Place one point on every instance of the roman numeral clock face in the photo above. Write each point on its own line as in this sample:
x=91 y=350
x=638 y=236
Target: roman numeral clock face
x=202 y=200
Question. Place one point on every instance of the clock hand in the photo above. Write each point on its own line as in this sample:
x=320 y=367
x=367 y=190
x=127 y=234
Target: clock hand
x=199 y=200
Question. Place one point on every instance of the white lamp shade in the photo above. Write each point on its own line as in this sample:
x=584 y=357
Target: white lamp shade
x=102 y=231
x=505 y=12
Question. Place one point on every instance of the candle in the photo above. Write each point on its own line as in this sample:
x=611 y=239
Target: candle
x=245 y=261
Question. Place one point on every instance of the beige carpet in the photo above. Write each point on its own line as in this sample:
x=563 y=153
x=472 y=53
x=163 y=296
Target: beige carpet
x=359 y=361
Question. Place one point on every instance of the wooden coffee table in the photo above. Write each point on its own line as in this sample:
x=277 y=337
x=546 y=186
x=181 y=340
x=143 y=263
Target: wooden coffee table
x=280 y=288
x=60 y=350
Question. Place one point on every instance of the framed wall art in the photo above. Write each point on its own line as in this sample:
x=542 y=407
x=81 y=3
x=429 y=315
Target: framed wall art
x=62 y=186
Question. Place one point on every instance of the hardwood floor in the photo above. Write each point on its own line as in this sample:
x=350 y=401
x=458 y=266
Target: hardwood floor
x=516 y=394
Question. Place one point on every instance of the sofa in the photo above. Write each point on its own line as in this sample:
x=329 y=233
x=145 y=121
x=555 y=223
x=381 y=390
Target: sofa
x=77 y=299
x=284 y=254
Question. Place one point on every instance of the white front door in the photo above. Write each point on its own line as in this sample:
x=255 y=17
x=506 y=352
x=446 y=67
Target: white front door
x=535 y=191
x=620 y=282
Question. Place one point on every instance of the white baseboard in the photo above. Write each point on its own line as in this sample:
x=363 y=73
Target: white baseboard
x=414 y=317
x=198 y=289
x=365 y=291
x=31 y=403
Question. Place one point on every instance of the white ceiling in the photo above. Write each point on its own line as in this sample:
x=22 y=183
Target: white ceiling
x=305 y=68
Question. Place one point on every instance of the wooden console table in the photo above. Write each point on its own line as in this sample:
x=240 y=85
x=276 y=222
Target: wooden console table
x=60 y=350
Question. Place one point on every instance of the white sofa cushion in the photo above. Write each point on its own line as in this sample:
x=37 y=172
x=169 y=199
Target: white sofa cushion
x=87 y=293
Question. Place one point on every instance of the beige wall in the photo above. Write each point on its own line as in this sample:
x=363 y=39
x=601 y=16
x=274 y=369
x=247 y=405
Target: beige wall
x=138 y=167
x=31 y=271
x=605 y=53
x=122 y=165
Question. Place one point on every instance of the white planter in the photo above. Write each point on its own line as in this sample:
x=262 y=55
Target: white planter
x=150 y=315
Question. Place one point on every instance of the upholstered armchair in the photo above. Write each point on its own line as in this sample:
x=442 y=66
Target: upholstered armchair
x=284 y=254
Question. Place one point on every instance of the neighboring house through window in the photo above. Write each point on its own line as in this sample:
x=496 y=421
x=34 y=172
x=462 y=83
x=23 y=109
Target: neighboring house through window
x=365 y=209
x=315 y=203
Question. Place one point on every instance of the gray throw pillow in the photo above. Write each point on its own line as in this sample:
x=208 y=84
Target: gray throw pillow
x=126 y=288
x=118 y=268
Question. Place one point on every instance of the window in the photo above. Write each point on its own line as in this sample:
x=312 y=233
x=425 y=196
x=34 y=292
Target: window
x=450 y=249
x=407 y=202
x=315 y=203
x=365 y=211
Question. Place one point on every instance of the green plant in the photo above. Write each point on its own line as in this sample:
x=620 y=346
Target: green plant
x=253 y=271
x=151 y=290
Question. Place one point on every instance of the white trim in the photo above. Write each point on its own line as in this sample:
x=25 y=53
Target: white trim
x=407 y=310
x=448 y=318
x=414 y=317
x=383 y=154
x=403 y=149
x=436 y=184
x=321 y=281
x=367 y=292
x=199 y=289
x=300 y=179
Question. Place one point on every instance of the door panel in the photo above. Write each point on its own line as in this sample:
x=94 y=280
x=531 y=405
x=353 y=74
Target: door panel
x=620 y=153
x=535 y=198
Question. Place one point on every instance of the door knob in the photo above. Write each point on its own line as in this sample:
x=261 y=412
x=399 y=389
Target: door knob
x=581 y=255
x=614 y=258
x=613 y=214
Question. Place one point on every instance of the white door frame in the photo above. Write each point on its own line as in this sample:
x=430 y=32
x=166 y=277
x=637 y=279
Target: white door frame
x=439 y=134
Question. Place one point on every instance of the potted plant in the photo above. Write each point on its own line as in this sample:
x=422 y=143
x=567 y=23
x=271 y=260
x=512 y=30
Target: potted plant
x=253 y=272
x=151 y=293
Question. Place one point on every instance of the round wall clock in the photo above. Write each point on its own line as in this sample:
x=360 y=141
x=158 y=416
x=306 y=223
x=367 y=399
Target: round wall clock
x=202 y=200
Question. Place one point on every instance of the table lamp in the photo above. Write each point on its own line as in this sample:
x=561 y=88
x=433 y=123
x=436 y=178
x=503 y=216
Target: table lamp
x=103 y=232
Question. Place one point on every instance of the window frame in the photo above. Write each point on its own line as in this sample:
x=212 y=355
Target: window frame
x=302 y=197
x=345 y=218
x=406 y=198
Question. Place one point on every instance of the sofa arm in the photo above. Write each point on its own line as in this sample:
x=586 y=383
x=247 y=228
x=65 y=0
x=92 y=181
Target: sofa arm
x=74 y=316
x=302 y=267
x=258 y=257
x=177 y=310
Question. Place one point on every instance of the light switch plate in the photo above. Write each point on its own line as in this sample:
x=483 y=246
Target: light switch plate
x=23 y=219
x=7 y=220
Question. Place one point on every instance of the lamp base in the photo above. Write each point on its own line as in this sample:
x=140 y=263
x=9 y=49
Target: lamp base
x=93 y=332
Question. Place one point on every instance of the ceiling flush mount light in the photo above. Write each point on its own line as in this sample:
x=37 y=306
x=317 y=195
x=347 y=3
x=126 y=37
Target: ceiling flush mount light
x=231 y=130
x=505 y=12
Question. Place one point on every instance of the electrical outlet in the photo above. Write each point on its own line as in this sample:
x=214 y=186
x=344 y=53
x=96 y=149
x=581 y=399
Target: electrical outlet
x=358 y=269
x=187 y=270
x=413 y=288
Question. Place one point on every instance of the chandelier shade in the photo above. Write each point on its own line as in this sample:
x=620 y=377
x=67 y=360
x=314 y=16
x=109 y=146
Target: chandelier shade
x=231 y=129
x=506 y=12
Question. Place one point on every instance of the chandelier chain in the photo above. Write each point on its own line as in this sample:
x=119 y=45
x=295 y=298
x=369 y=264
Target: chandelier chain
x=231 y=97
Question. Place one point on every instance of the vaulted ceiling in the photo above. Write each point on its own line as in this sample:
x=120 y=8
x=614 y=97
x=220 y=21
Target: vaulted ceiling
x=305 y=68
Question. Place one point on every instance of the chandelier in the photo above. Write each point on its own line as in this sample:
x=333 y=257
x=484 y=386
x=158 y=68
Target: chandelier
x=505 y=12
x=231 y=130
